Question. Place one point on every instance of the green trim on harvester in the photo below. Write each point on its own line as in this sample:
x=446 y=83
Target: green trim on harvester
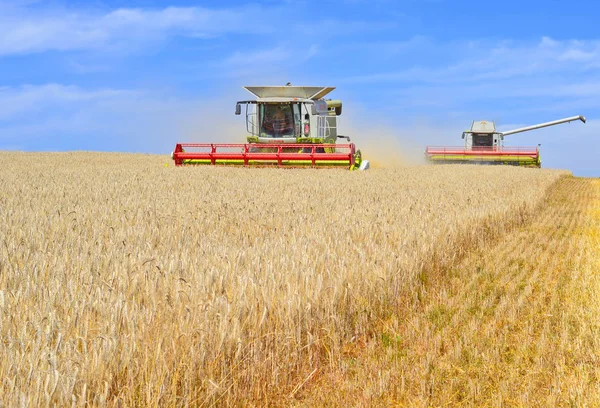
x=357 y=160
x=299 y=140
x=310 y=140
x=504 y=159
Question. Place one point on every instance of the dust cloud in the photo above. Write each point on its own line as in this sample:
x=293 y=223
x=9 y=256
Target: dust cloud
x=212 y=122
x=385 y=147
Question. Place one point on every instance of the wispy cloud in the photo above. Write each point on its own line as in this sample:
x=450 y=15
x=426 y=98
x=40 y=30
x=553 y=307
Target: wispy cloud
x=483 y=61
x=50 y=116
x=26 y=30
x=28 y=99
x=343 y=27
x=65 y=30
x=493 y=78
x=264 y=64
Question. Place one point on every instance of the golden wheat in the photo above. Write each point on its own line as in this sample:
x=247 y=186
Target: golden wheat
x=127 y=281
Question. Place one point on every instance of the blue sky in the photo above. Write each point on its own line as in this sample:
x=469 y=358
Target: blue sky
x=140 y=76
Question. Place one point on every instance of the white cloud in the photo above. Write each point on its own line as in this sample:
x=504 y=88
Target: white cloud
x=24 y=31
x=484 y=61
x=28 y=30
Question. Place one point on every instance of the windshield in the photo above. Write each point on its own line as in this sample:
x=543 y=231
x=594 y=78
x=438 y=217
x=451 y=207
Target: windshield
x=277 y=120
x=482 y=140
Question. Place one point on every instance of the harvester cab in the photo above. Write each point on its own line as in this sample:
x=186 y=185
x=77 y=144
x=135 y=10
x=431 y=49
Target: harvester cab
x=291 y=114
x=482 y=134
x=287 y=126
x=485 y=145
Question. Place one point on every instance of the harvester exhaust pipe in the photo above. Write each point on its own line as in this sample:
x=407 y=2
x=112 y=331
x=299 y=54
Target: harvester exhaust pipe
x=543 y=125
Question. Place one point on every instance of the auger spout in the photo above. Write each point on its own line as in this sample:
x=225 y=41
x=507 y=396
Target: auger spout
x=543 y=125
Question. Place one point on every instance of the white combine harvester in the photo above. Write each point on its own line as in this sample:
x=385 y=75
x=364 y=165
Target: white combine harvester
x=484 y=145
x=287 y=126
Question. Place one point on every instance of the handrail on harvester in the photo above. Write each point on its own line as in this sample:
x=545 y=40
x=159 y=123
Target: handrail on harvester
x=271 y=153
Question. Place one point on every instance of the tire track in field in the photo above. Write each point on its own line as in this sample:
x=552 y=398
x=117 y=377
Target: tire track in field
x=518 y=322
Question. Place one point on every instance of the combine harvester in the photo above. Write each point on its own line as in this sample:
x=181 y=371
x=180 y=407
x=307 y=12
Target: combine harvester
x=484 y=145
x=288 y=126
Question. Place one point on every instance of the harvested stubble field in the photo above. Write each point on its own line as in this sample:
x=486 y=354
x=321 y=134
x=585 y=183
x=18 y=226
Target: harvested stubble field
x=126 y=282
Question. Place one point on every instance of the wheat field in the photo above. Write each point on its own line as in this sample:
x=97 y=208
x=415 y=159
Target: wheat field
x=125 y=281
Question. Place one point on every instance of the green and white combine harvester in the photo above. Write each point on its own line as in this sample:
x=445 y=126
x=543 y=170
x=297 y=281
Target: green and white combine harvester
x=485 y=145
x=287 y=126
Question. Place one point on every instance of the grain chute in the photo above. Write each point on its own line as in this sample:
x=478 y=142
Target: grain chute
x=485 y=145
x=287 y=126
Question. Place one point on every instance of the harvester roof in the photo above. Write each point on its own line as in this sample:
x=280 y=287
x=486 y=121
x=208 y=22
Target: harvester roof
x=483 y=126
x=287 y=93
